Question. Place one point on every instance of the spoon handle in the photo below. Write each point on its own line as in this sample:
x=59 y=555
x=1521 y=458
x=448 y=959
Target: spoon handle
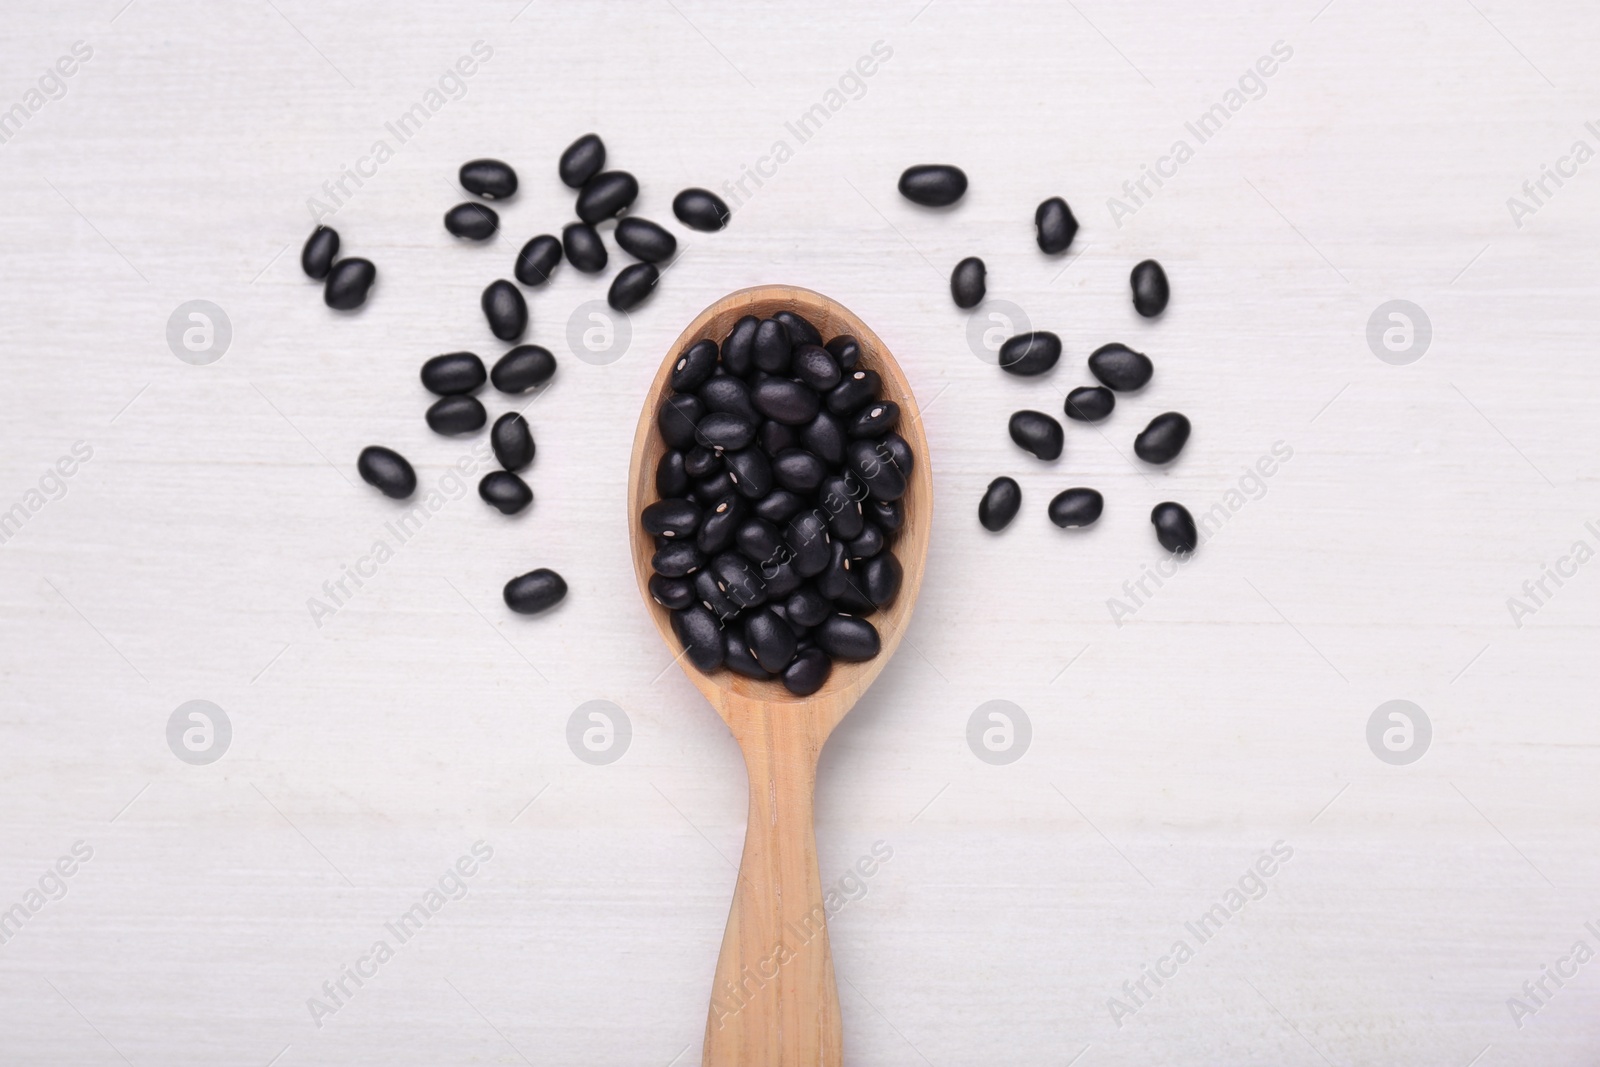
x=774 y=1000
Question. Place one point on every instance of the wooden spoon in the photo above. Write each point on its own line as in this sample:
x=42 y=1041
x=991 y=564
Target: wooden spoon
x=774 y=1000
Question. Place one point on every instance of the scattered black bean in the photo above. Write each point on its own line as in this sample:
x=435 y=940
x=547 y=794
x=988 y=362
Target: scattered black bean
x=967 y=282
x=582 y=160
x=1120 y=367
x=800 y=331
x=348 y=283
x=933 y=184
x=701 y=635
x=584 y=248
x=538 y=260
x=1076 y=507
x=1055 y=224
x=505 y=309
x=1000 y=504
x=1090 y=403
x=645 y=240
x=1028 y=354
x=535 y=591
x=1174 y=527
x=512 y=441
x=1038 y=433
x=1150 y=291
x=846 y=638
x=808 y=673
x=453 y=373
x=606 y=195
x=452 y=415
x=474 y=222
x=489 y=178
x=505 y=491
x=522 y=368
x=631 y=285
x=1163 y=439
x=386 y=471
x=317 y=257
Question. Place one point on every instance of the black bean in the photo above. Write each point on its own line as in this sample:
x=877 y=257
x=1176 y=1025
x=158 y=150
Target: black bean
x=677 y=559
x=1120 y=367
x=900 y=453
x=1150 y=290
x=835 y=577
x=720 y=525
x=453 y=373
x=512 y=441
x=1163 y=439
x=798 y=470
x=775 y=437
x=715 y=600
x=816 y=367
x=678 y=418
x=584 y=248
x=674 y=517
x=489 y=178
x=806 y=606
x=1055 y=224
x=1037 y=433
x=721 y=431
x=698 y=363
x=808 y=673
x=807 y=536
x=782 y=579
x=582 y=160
x=386 y=471
x=671 y=593
x=824 y=437
x=841 y=495
x=853 y=599
x=751 y=472
x=1028 y=354
x=724 y=392
x=1000 y=504
x=870 y=542
x=522 y=368
x=875 y=419
x=890 y=515
x=880 y=579
x=779 y=506
x=505 y=309
x=505 y=491
x=1174 y=527
x=700 y=461
x=739 y=659
x=1076 y=507
x=848 y=639
x=967 y=282
x=631 y=285
x=773 y=349
x=474 y=222
x=760 y=541
x=882 y=478
x=538 y=260
x=786 y=400
x=701 y=636
x=799 y=328
x=606 y=195
x=933 y=184
x=644 y=240
x=317 y=257
x=738 y=350
x=859 y=388
x=1090 y=403
x=710 y=490
x=456 y=414
x=739 y=581
x=671 y=478
x=535 y=591
x=348 y=283
x=845 y=349
x=701 y=209
x=770 y=639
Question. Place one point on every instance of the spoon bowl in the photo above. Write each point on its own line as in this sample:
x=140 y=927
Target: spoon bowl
x=774 y=1000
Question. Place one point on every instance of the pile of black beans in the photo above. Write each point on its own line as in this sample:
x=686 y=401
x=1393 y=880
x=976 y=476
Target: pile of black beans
x=780 y=490
x=1117 y=368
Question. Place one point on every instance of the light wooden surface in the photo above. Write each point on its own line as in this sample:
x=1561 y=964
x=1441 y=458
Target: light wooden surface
x=1228 y=713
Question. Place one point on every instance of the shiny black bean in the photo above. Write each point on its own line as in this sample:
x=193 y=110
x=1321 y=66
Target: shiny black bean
x=853 y=600
x=739 y=349
x=721 y=431
x=522 y=368
x=786 y=400
x=868 y=544
x=1120 y=367
x=488 y=178
x=781 y=578
x=779 y=506
x=845 y=349
x=760 y=540
x=739 y=659
x=512 y=441
x=724 y=392
x=859 y=388
x=773 y=349
x=453 y=373
x=456 y=414
x=710 y=490
x=1163 y=439
x=751 y=472
x=1028 y=354
x=806 y=606
x=505 y=491
x=677 y=559
x=835 y=577
x=320 y=250
x=874 y=420
x=841 y=495
x=1150 y=291
x=775 y=437
x=1076 y=507
x=770 y=639
x=701 y=462
x=1090 y=403
x=631 y=285
x=1174 y=527
x=583 y=247
x=883 y=479
x=799 y=328
x=671 y=477
x=701 y=209
x=1055 y=224
x=739 y=580
x=348 y=283
x=720 y=525
x=505 y=310
x=535 y=591
x=538 y=260
x=678 y=418
x=386 y=471
x=701 y=635
x=843 y=637
x=1038 y=433
x=816 y=367
x=473 y=222
x=824 y=437
x=671 y=593
x=674 y=517
x=1000 y=504
x=933 y=184
x=643 y=239
x=967 y=282
x=582 y=160
x=808 y=673
x=900 y=453
x=807 y=536
x=880 y=578
x=798 y=470
x=889 y=515
x=606 y=195
x=708 y=593
x=698 y=363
